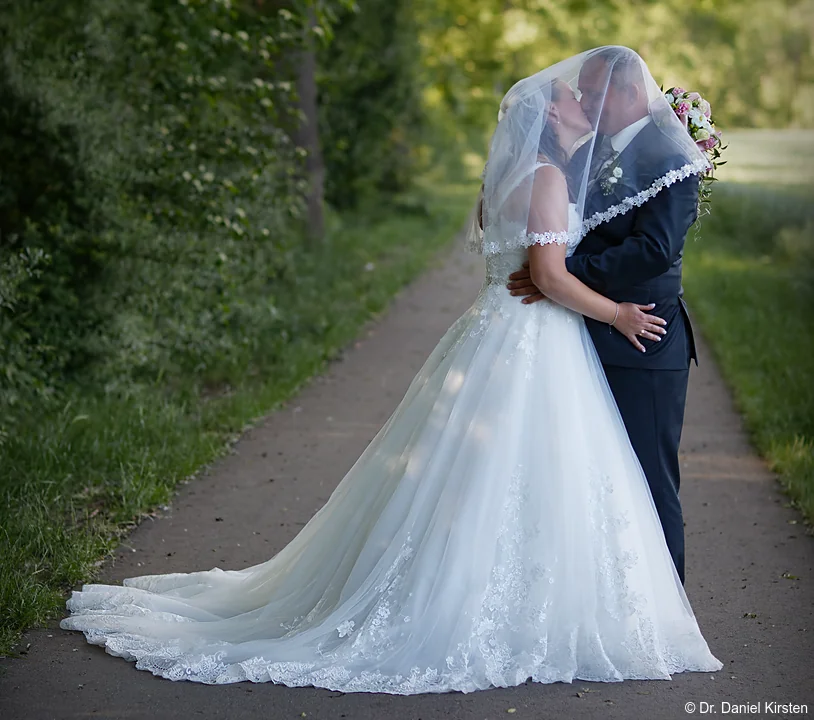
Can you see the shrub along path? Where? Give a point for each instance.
(750, 567)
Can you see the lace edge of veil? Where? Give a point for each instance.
(527, 239)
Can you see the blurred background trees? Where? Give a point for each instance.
(753, 60)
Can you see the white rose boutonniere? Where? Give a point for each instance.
(610, 176)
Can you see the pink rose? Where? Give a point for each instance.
(678, 92)
(693, 96)
(711, 143)
(683, 108)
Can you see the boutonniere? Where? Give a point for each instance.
(610, 176)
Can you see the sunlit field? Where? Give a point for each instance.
(775, 157)
(750, 282)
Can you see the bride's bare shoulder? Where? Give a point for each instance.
(548, 174)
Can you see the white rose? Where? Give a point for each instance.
(670, 98)
(612, 180)
(617, 172)
(701, 135)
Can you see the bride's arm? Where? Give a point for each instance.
(549, 214)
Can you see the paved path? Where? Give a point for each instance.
(741, 539)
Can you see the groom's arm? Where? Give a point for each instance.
(652, 247)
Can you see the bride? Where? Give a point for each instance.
(499, 527)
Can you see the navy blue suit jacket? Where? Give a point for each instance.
(636, 256)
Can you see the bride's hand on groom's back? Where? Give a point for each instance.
(520, 285)
(633, 321)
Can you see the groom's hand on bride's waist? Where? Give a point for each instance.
(520, 285)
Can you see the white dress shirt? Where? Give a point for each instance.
(624, 137)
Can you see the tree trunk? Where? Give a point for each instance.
(307, 135)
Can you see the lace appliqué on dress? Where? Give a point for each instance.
(522, 239)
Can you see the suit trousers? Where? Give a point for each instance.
(652, 403)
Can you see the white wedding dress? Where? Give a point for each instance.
(498, 528)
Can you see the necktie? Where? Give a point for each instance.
(604, 155)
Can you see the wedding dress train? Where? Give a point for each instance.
(499, 527)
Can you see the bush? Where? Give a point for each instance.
(150, 193)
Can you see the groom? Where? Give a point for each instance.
(636, 257)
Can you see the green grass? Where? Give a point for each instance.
(749, 277)
(74, 480)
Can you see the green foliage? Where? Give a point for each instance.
(370, 103)
(148, 166)
(750, 279)
(24, 379)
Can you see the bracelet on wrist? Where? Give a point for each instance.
(615, 317)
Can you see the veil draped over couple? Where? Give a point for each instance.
(517, 517)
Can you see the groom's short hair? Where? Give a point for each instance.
(625, 65)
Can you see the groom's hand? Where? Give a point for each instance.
(521, 284)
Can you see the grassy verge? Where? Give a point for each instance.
(750, 280)
(76, 478)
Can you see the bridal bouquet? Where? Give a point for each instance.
(696, 114)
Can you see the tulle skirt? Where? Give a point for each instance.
(498, 528)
